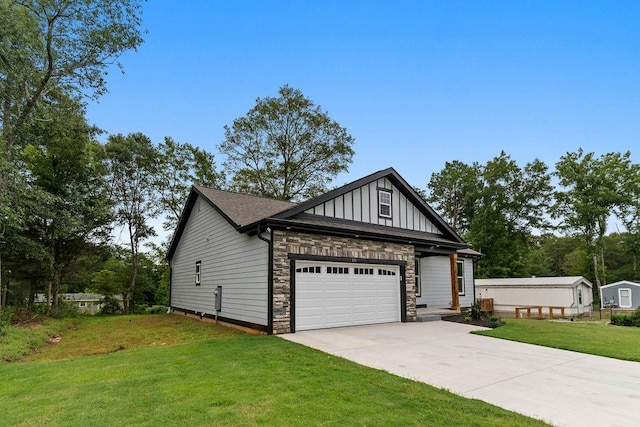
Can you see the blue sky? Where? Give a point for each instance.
(416, 83)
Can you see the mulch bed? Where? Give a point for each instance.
(460, 318)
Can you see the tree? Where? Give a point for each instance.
(511, 203)
(628, 212)
(60, 45)
(132, 164)
(591, 190)
(286, 148)
(63, 161)
(182, 166)
(453, 193)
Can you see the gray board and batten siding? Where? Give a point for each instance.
(361, 204)
(235, 261)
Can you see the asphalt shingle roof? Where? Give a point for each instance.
(243, 209)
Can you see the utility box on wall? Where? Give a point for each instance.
(218, 294)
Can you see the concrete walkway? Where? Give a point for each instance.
(560, 387)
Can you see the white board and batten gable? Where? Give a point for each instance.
(363, 204)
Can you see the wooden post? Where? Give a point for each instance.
(455, 299)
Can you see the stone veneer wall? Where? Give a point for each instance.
(288, 242)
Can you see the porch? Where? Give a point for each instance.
(428, 314)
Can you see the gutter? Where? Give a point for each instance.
(269, 277)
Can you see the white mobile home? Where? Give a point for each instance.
(573, 294)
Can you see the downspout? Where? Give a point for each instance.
(269, 277)
(170, 280)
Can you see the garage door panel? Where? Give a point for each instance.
(325, 300)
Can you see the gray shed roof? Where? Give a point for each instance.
(620, 283)
(569, 281)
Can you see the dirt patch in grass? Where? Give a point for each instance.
(102, 335)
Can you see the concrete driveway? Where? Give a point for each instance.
(560, 387)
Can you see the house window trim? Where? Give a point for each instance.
(620, 298)
(381, 204)
(461, 276)
(198, 275)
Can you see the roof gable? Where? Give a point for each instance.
(236, 208)
(417, 214)
(244, 212)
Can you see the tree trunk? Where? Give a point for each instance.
(596, 288)
(49, 297)
(602, 266)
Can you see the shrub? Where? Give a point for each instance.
(621, 320)
(65, 309)
(155, 309)
(495, 322)
(110, 306)
(5, 320)
(474, 310)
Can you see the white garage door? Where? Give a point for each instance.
(329, 295)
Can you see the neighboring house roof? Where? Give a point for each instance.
(620, 283)
(249, 213)
(568, 281)
(77, 296)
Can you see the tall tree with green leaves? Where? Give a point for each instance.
(59, 45)
(132, 174)
(63, 161)
(628, 211)
(182, 166)
(453, 192)
(511, 202)
(591, 189)
(286, 148)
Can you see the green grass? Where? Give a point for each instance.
(232, 379)
(18, 342)
(592, 337)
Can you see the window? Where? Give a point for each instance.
(313, 269)
(384, 203)
(625, 297)
(337, 270)
(367, 271)
(83, 304)
(460, 277)
(418, 283)
(383, 272)
(580, 296)
(198, 272)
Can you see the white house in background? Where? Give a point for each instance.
(86, 303)
(573, 293)
(371, 251)
(623, 294)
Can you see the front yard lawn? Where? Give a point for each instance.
(592, 337)
(233, 379)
